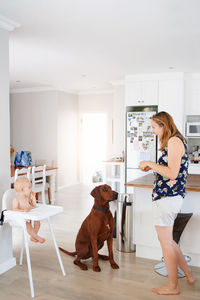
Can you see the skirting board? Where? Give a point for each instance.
(148, 252)
(7, 265)
(195, 259)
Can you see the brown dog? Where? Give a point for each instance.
(95, 229)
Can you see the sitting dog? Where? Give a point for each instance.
(95, 229)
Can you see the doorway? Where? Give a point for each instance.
(93, 145)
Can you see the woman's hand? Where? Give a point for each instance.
(144, 166)
(146, 169)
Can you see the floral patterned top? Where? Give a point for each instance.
(164, 187)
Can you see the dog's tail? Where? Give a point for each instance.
(67, 252)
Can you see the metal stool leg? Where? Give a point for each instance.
(161, 269)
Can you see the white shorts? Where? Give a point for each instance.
(166, 209)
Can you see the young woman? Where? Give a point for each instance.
(168, 193)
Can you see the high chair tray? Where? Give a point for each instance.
(40, 212)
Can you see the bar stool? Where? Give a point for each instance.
(179, 225)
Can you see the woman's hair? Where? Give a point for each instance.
(163, 119)
(20, 183)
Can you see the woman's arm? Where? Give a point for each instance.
(175, 152)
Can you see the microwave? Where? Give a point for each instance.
(193, 129)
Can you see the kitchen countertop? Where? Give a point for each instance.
(193, 182)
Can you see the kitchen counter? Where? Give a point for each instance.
(193, 182)
(145, 237)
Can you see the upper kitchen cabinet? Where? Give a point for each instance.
(170, 93)
(192, 94)
(139, 93)
(163, 89)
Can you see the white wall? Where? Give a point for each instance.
(4, 113)
(119, 120)
(99, 103)
(48, 124)
(67, 139)
(112, 104)
(34, 124)
(45, 123)
(6, 259)
(94, 104)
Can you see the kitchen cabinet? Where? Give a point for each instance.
(170, 94)
(141, 93)
(192, 96)
(147, 244)
(194, 168)
(177, 93)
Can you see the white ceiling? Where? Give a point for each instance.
(80, 45)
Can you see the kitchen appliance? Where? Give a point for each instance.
(125, 223)
(193, 129)
(141, 143)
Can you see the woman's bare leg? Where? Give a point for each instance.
(183, 264)
(171, 261)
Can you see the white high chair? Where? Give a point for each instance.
(16, 218)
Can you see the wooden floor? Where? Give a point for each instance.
(134, 279)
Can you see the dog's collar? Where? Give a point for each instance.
(101, 209)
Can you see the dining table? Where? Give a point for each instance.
(50, 178)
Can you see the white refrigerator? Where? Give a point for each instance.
(141, 143)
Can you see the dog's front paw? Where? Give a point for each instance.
(114, 265)
(97, 269)
(84, 267)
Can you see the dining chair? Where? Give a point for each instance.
(25, 172)
(19, 219)
(39, 184)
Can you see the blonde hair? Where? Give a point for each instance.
(20, 183)
(163, 119)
